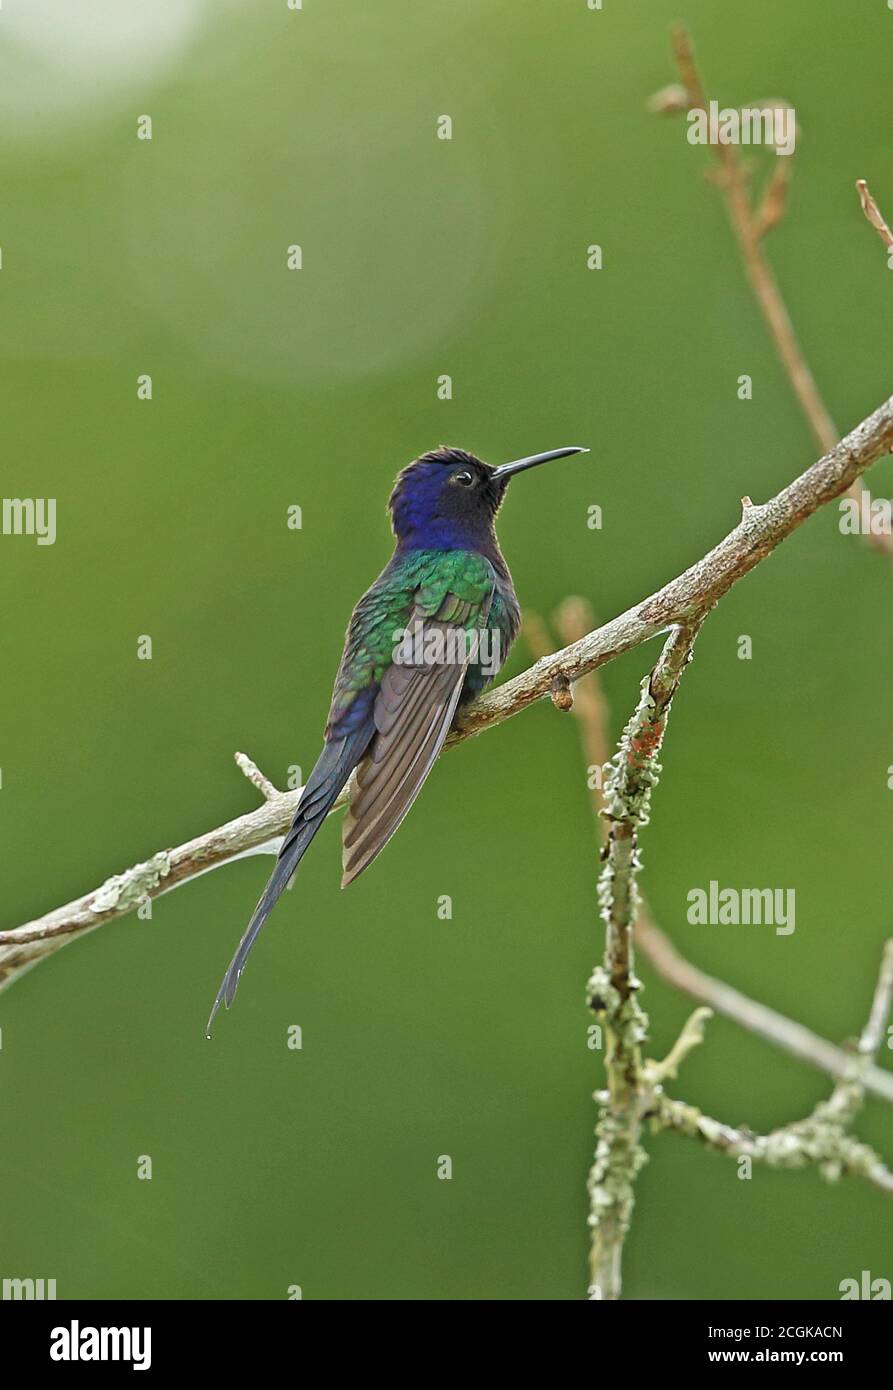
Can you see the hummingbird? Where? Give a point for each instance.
(428, 636)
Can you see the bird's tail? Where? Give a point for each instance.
(333, 767)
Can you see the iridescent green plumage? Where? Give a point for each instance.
(455, 586)
(433, 630)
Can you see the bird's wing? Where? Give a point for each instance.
(375, 703)
(413, 711)
(368, 649)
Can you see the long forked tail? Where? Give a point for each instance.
(333, 767)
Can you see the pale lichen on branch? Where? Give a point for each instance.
(613, 989)
(821, 1139)
(635, 1090)
(572, 621)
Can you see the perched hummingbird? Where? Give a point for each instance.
(430, 633)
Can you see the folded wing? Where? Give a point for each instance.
(413, 713)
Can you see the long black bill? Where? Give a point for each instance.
(508, 470)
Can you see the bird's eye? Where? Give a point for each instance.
(465, 478)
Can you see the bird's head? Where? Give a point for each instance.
(448, 499)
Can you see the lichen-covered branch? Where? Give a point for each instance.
(572, 621)
(635, 1091)
(822, 1139)
(613, 987)
(258, 832)
(757, 1017)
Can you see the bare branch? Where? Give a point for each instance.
(873, 1034)
(772, 208)
(749, 228)
(874, 214)
(693, 593)
(682, 601)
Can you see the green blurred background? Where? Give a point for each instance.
(274, 1167)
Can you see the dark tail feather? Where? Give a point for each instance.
(334, 766)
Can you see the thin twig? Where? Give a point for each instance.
(692, 1035)
(256, 777)
(873, 1034)
(749, 228)
(874, 214)
(772, 208)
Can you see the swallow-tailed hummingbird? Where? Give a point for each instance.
(430, 634)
